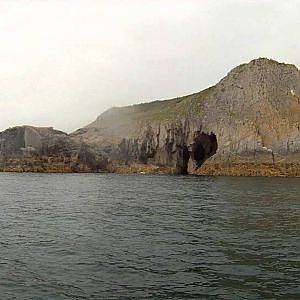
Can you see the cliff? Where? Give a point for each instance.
(251, 116)
(247, 124)
(43, 149)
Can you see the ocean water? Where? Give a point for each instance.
(101, 236)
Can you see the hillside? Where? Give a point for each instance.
(254, 112)
(247, 124)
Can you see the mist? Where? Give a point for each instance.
(62, 63)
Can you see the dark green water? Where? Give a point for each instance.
(148, 237)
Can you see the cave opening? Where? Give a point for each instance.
(203, 147)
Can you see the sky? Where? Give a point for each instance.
(64, 62)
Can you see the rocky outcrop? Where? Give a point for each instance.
(251, 117)
(28, 148)
(26, 140)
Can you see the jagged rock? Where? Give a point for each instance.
(30, 148)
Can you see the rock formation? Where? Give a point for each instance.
(252, 116)
(28, 148)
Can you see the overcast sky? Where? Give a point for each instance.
(64, 62)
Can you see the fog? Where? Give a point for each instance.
(62, 63)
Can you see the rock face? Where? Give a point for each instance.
(172, 144)
(252, 116)
(26, 140)
(28, 148)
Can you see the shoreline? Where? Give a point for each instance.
(242, 169)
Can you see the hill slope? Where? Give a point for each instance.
(254, 112)
(246, 124)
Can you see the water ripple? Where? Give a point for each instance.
(88, 236)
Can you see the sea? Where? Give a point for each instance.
(109, 236)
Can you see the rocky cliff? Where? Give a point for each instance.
(250, 119)
(252, 115)
(28, 148)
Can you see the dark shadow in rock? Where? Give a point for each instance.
(204, 146)
(182, 160)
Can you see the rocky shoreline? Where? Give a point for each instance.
(221, 169)
(209, 169)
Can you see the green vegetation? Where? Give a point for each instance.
(165, 110)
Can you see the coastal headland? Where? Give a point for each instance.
(248, 124)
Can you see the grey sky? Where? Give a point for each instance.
(62, 63)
